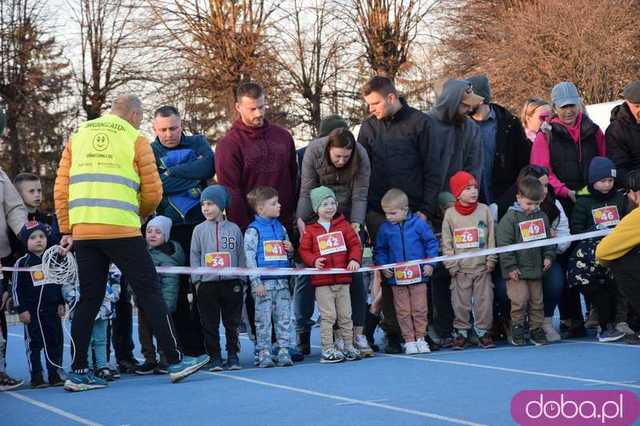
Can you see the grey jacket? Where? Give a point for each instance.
(210, 237)
(351, 192)
(452, 147)
(14, 213)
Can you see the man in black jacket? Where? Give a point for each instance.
(623, 134)
(504, 143)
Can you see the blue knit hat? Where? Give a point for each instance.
(31, 227)
(217, 194)
(601, 168)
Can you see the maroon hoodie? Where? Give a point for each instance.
(248, 157)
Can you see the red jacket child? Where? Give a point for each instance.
(339, 246)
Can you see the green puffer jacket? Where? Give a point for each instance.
(529, 261)
(169, 254)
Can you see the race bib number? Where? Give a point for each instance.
(333, 242)
(466, 238)
(37, 276)
(217, 259)
(606, 216)
(274, 250)
(408, 274)
(532, 230)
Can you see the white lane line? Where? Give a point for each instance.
(351, 400)
(343, 404)
(516, 370)
(53, 409)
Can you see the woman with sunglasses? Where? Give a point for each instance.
(570, 145)
(553, 281)
(535, 116)
(340, 163)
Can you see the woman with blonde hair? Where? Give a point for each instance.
(535, 116)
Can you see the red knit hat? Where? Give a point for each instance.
(460, 181)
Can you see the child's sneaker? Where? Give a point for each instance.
(593, 320)
(295, 354)
(537, 337)
(233, 363)
(423, 346)
(517, 335)
(215, 365)
(115, 373)
(256, 357)
(351, 354)
(186, 367)
(410, 348)
(8, 383)
(486, 342)
(284, 359)
(55, 379)
(37, 382)
(331, 356)
(549, 332)
(162, 368)
(459, 342)
(146, 368)
(433, 345)
(610, 334)
(103, 373)
(361, 344)
(264, 359)
(78, 382)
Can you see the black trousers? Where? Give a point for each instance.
(626, 271)
(441, 310)
(121, 327)
(130, 255)
(604, 294)
(50, 327)
(216, 300)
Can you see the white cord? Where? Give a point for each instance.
(58, 270)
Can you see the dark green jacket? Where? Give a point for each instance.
(169, 254)
(582, 219)
(529, 261)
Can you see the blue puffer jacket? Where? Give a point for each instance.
(410, 240)
(268, 230)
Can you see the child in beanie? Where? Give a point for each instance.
(331, 242)
(40, 306)
(164, 252)
(599, 205)
(469, 227)
(217, 243)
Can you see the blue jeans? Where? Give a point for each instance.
(98, 344)
(552, 286)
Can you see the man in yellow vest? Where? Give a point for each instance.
(107, 182)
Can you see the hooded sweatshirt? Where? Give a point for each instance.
(452, 146)
(623, 141)
(247, 157)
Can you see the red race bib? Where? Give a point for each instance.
(408, 274)
(274, 250)
(217, 259)
(606, 216)
(465, 238)
(333, 242)
(532, 230)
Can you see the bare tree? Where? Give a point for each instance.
(387, 29)
(109, 54)
(526, 47)
(312, 56)
(34, 80)
(217, 44)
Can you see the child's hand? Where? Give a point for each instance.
(490, 267)
(288, 246)
(387, 273)
(546, 264)
(61, 311)
(427, 270)
(353, 266)
(514, 275)
(260, 290)
(25, 317)
(319, 263)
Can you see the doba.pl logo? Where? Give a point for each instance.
(569, 408)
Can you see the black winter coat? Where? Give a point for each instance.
(623, 142)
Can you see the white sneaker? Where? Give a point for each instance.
(423, 347)
(339, 344)
(362, 346)
(410, 348)
(550, 333)
(623, 327)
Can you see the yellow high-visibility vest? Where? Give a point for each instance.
(103, 183)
